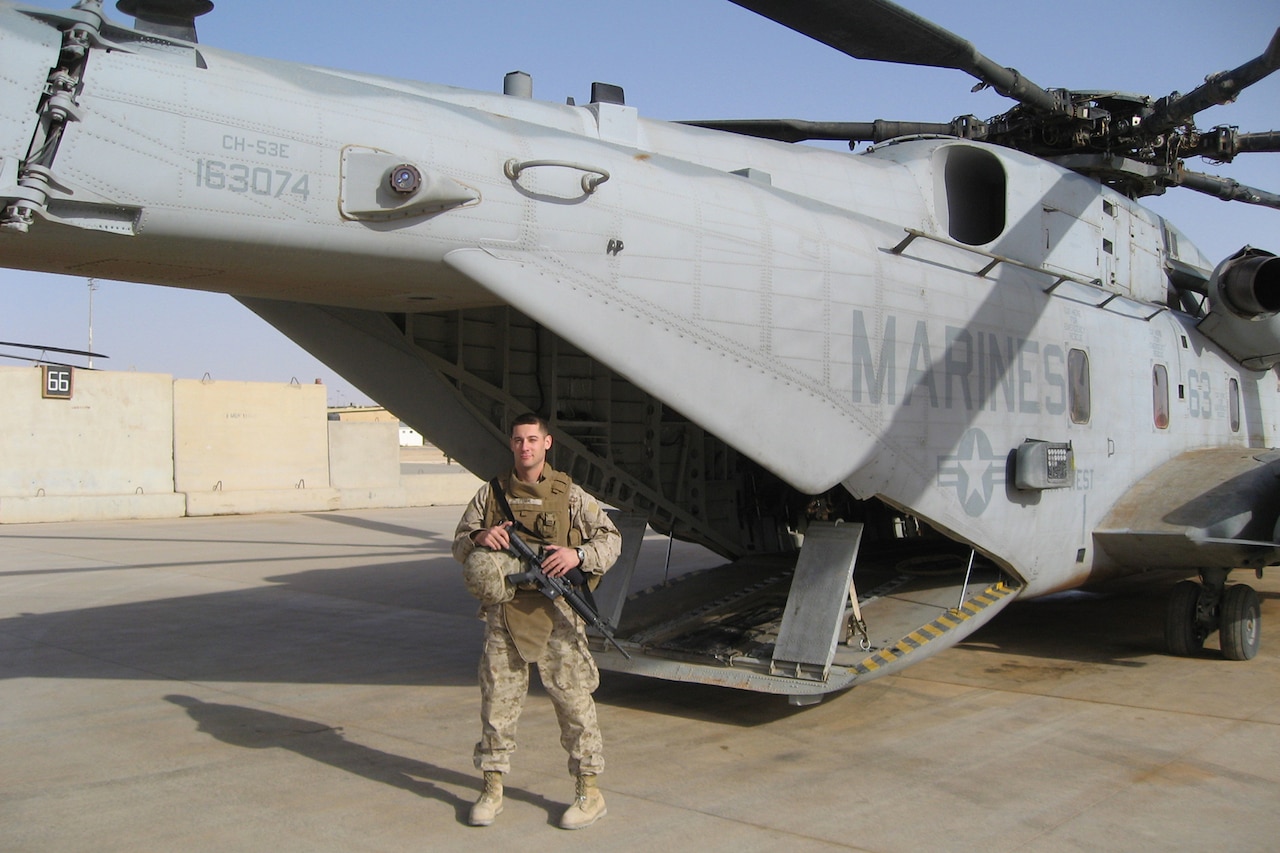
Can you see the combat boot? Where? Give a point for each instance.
(588, 805)
(489, 806)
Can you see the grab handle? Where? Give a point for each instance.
(593, 178)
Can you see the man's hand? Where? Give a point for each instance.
(558, 562)
(495, 538)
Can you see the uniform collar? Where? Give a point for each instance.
(547, 471)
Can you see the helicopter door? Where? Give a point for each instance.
(1131, 254)
(1114, 248)
(1148, 279)
(1071, 244)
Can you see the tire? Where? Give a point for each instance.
(1183, 634)
(1241, 630)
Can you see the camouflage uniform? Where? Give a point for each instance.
(565, 665)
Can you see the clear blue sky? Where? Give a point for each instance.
(676, 59)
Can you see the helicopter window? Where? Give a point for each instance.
(1078, 372)
(1160, 395)
(1234, 400)
(975, 183)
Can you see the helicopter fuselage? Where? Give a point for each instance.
(964, 333)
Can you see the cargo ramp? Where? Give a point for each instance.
(786, 624)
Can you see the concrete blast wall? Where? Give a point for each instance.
(131, 445)
(251, 447)
(106, 452)
(237, 436)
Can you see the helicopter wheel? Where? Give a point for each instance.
(1240, 631)
(1184, 631)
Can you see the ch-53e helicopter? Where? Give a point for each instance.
(897, 390)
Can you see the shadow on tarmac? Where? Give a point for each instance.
(1116, 629)
(411, 623)
(386, 623)
(1116, 625)
(437, 539)
(251, 728)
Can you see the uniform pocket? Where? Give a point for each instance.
(547, 526)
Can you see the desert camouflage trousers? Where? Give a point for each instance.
(569, 675)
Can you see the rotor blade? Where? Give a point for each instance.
(1252, 142)
(1224, 143)
(1225, 188)
(53, 349)
(884, 31)
(798, 130)
(1220, 88)
(31, 360)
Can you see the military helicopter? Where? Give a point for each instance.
(895, 389)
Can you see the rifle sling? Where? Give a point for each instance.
(500, 496)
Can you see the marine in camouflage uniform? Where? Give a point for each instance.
(532, 629)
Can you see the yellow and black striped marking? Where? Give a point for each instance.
(931, 631)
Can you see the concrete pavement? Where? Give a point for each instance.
(306, 682)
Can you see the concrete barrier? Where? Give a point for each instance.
(251, 447)
(131, 445)
(249, 436)
(47, 508)
(441, 489)
(253, 501)
(106, 450)
(364, 455)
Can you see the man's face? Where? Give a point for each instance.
(529, 446)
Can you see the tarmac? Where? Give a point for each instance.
(307, 683)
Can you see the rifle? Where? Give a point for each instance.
(554, 588)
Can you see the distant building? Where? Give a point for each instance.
(410, 437)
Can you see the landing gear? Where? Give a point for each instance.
(1241, 625)
(1185, 629)
(1196, 609)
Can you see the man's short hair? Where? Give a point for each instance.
(530, 419)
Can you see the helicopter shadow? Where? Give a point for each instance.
(405, 622)
(1117, 624)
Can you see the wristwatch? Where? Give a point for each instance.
(582, 556)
